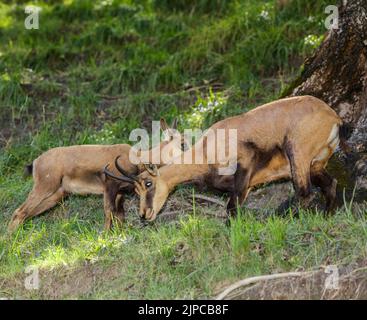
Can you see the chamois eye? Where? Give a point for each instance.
(148, 184)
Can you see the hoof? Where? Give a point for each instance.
(13, 225)
(331, 201)
(306, 202)
(284, 207)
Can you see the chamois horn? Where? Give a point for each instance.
(111, 175)
(123, 172)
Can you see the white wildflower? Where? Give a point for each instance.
(265, 15)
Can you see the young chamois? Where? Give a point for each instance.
(80, 170)
(289, 138)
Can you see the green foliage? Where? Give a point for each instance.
(143, 51)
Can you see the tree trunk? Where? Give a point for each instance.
(337, 74)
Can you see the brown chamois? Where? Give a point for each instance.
(290, 138)
(79, 169)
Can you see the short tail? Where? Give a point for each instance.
(28, 170)
(345, 131)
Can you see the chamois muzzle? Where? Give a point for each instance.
(148, 215)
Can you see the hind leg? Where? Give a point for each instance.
(327, 184)
(300, 170)
(37, 202)
(320, 178)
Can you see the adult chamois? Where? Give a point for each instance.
(79, 169)
(288, 138)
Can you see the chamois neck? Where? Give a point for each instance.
(175, 174)
(180, 172)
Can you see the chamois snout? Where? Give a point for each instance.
(143, 221)
(148, 215)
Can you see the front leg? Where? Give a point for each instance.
(119, 215)
(240, 192)
(109, 202)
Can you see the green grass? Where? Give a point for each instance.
(187, 258)
(97, 69)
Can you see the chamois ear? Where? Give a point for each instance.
(152, 169)
(164, 124)
(174, 124)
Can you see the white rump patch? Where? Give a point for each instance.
(333, 140)
(332, 143)
(322, 155)
(333, 134)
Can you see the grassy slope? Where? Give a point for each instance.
(97, 69)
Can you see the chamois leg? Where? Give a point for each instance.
(120, 212)
(109, 201)
(37, 202)
(241, 190)
(300, 170)
(327, 184)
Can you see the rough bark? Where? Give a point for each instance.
(337, 74)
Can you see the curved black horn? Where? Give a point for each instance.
(123, 172)
(111, 175)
